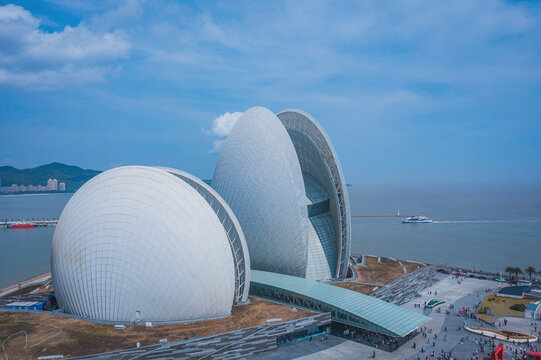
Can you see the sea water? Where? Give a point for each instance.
(25, 253)
(485, 228)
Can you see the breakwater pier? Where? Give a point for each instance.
(4, 223)
(37, 223)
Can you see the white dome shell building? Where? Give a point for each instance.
(135, 243)
(259, 176)
(281, 176)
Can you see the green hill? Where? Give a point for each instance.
(73, 176)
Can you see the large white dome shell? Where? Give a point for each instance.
(259, 176)
(137, 242)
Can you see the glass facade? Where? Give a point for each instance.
(319, 161)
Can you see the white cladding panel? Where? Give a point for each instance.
(137, 242)
(259, 176)
(237, 241)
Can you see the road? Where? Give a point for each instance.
(36, 279)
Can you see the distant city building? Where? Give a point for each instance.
(52, 185)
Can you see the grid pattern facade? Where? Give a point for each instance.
(318, 158)
(346, 306)
(270, 166)
(232, 228)
(322, 250)
(135, 243)
(259, 176)
(315, 193)
(238, 344)
(322, 245)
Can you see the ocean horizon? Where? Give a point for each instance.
(483, 228)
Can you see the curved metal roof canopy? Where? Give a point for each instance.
(346, 306)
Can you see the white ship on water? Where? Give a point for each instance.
(417, 220)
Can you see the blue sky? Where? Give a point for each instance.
(424, 92)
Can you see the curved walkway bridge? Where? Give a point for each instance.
(346, 306)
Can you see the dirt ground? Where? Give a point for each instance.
(380, 273)
(383, 272)
(33, 289)
(45, 288)
(55, 335)
(350, 285)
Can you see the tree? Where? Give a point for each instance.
(509, 270)
(518, 271)
(530, 270)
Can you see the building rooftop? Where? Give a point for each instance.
(533, 306)
(387, 317)
(24, 303)
(516, 290)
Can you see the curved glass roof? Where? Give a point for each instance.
(314, 191)
(379, 315)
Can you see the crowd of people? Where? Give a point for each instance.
(376, 340)
(427, 341)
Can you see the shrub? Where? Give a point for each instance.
(483, 309)
(518, 307)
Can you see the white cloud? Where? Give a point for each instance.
(30, 56)
(223, 124)
(221, 127)
(217, 146)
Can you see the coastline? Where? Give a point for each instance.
(6, 290)
(485, 275)
(34, 194)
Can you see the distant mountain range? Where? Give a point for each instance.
(73, 176)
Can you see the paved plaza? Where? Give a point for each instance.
(462, 344)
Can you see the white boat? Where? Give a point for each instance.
(417, 220)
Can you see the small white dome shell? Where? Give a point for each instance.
(259, 176)
(137, 242)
